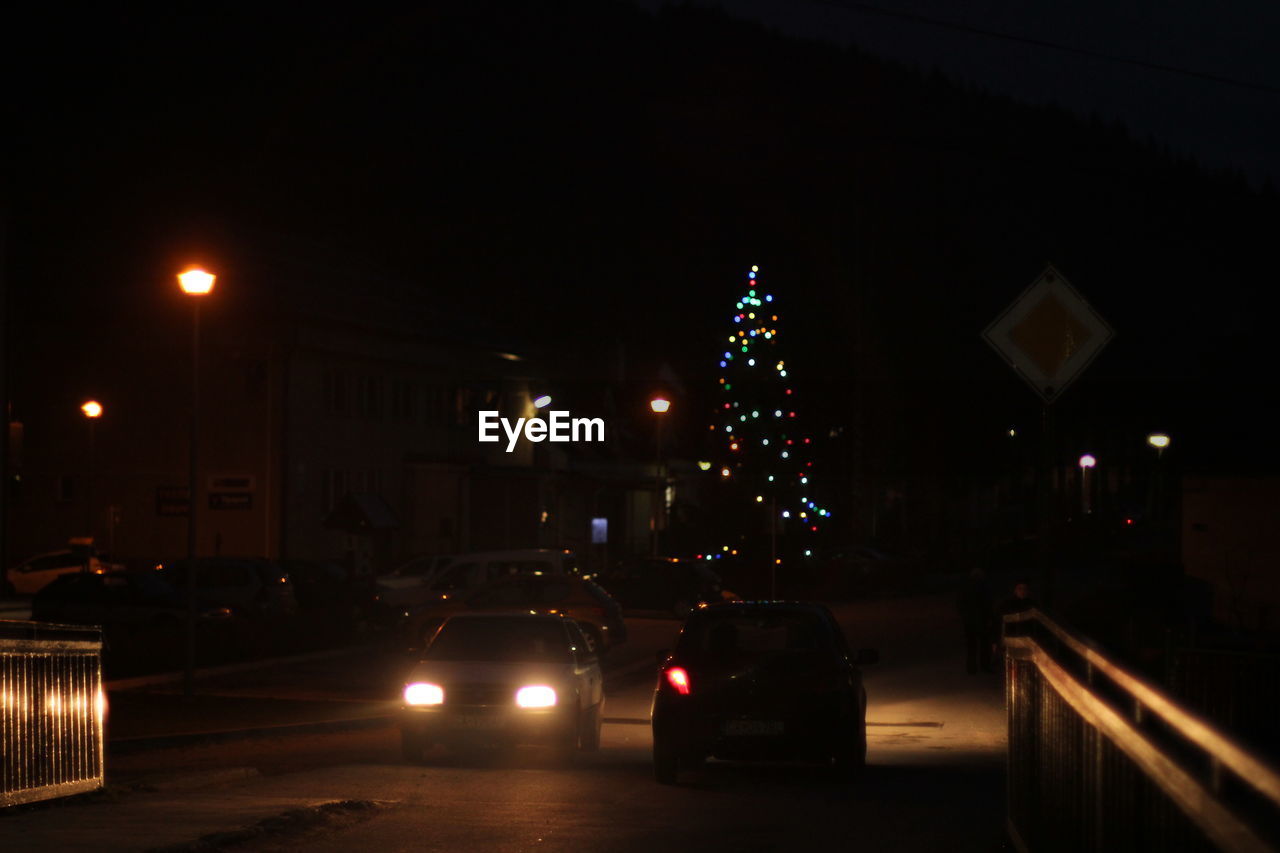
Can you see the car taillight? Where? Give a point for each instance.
(678, 679)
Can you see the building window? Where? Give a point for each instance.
(462, 406)
(437, 408)
(369, 397)
(334, 485)
(335, 392)
(402, 400)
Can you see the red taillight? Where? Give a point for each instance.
(679, 679)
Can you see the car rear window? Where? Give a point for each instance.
(505, 640)
(752, 634)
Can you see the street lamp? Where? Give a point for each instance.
(1159, 441)
(92, 410)
(660, 407)
(1087, 462)
(197, 284)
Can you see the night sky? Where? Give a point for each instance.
(593, 173)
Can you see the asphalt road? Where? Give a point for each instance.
(935, 779)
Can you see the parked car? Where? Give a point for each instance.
(864, 570)
(465, 572)
(668, 584)
(596, 612)
(142, 615)
(406, 587)
(760, 681)
(255, 588)
(33, 573)
(503, 679)
(326, 591)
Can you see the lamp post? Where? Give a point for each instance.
(1087, 463)
(197, 284)
(660, 407)
(1159, 441)
(92, 410)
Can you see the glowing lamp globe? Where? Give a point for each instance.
(196, 282)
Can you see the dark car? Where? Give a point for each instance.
(771, 680)
(140, 613)
(503, 679)
(667, 585)
(596, 612)
(253, 587)
(859, 570)
(326, 592)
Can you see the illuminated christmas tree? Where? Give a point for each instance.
(765, 453)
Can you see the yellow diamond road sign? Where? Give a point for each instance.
(1049, 334)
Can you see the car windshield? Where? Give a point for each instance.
(739, 635)
(502, 640)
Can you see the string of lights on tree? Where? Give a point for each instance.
(764, 450)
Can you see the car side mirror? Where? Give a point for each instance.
(866, 656)
(662, 655)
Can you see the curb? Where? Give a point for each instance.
(124, 746)
(229, 669)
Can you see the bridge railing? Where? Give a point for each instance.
(1099, 760)
(51, 711)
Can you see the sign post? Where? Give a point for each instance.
(1048, 335)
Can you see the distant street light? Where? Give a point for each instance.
(660, 407)
(92, 410)
(196, 283)
(1087, 462)
(542, 402)
(1159, 441)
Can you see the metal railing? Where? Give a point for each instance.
(1100, 761)
(51, 711)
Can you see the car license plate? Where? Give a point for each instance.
(752, 728)
(478, 721)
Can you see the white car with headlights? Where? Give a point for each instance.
(504, 678)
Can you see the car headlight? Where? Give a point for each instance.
(536, 696)
(422, 693)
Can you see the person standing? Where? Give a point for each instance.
(974, 605)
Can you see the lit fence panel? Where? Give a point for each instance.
(51, 711)
(1100, 760)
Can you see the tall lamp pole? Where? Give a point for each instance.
(197, 284)
(1159, 441)
(660, 407)
(92, 410)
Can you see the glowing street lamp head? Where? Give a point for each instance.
(1158, 440)
(1087, 461)
(92, 409)
(542, 402)
(660, 405)
(196, 282)
(704, 466)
